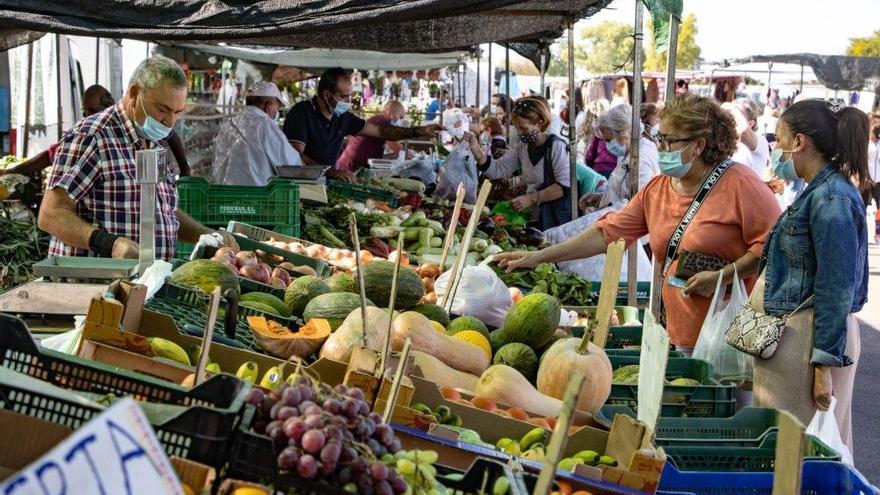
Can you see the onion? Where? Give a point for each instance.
(296, 247)
(316, 251)
(253, 272)
(226, 250)
(429, 284)
(286, 265)
(281, 273)
(266, 269)
(277, 283)
(366, 256)
(226, 261)
(243, 258)
(429, 270)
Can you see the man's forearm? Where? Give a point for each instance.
(393, 133)
(32, 166)
(63, 223)
(190, 229)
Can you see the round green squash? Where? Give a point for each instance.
(205, 275)
(301, 291)
(333, 307)
(519, 357)
(377, 285)
(433, 312)
(467, 323)
(532, 321)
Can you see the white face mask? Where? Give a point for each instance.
(655, 129)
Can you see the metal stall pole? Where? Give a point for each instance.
(541, 71)
(671, 55)
(507, 89)
(632, 258)
(58, 84)
(490, 83)
(769, 78)
(27, 98)
(572, 135)
(464, 85)
(97, 60)
(802, 77)
(477, 93)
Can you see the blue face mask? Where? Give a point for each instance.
(671, 165)
(783, 170)
(340, 107)
(152, 129)
(615, 148)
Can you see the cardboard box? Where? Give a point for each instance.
(114, 356)
(196, 476)
(25, 439)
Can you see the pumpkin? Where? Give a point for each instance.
(476, 338)
(279, 341)
(453, 352)
(573, 354)
(434, 370)
(504, 384)
(341, 343)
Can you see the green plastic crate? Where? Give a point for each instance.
(202, 432)
(711, 399)
(643, 293)
(747, 427)
(252, 238)
(622, 337)
(277, 203)
(360, 192)
(723, 457)
(183, 250)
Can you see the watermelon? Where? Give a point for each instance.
(301, 291)
(377, 285)
(434, 313)
(270, 300)
(333, 307)
(205, 275)
(519, 357)
(467, 323)
(342, 282)
(531, 321)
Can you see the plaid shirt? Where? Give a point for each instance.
(95, 164)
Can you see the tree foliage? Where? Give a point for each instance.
(687, 54)
(867, 46)
(599, 48)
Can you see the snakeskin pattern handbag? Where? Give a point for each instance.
(758, 334)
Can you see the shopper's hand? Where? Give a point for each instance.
(343, 175)
(822, 388)
(125, 248)
(474, 145)
(701, 284)
(589, 200)
(518, 259)
(429, 131)
(228, 239)
(520, 203)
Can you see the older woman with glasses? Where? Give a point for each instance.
(734, 213)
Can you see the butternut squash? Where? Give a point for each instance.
(506, 385)
(574, 354)
(434, 370)
(350, 335)
(460, 355)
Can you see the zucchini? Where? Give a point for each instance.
(386, 232)
(436, 242)
(429, 250)
(408, 185)
(414, 219)
(425, 236)
(472, 259)
(436, 226)
(414, 247)
(412, 233)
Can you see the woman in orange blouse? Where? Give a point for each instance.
(696, 136)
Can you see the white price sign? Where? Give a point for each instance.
(652, 370)
(114, 453)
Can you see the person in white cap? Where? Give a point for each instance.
(250, 144)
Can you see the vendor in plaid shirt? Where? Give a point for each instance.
(92, 202)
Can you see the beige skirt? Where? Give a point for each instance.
(785, 381)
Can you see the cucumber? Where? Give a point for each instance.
(436, 226)
(436, 242)
(429, 250)
(384, 232)
(425, 236)
(412, 233)
(414, 219)
(414, 247)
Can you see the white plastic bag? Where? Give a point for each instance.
(824, 427)
(480, 294)
(67, 342)
(154, 277)
(459, 167)
(728, 363)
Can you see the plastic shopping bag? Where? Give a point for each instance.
(67, 342)
(460, 167)
(480, 294)
(729, 364)
(824, 427)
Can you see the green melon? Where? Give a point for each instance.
(495, 340)
(531, 321)
(433, 312)
(377, 285)
(205, 275)
(519, 357)
(467, 323)
(263, 308)
(301, 291)
(342, 282)
(270, 300)
(333, 307)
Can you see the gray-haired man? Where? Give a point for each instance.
(92, 196)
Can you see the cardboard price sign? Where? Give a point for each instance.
(115, 453)
(652, 370)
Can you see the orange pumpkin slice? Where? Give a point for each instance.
(279, 341)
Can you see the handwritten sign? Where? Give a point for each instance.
(115, 453)
(652, 370)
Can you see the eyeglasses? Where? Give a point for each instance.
(666, 142)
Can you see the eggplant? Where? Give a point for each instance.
(487, 226)
(529, 236)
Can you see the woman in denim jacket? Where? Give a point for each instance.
(817, 249)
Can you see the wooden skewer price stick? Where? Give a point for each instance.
(560, 434)
(355, 239)
(208, 335)
(465, 245)
(789, 455)
(607, 293)
(395, 385)
(386, 347)
(453, 224)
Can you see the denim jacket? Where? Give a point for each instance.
(819, 247)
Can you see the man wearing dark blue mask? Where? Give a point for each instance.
(91, 205)
(317, 127)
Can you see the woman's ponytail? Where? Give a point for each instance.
(851, 146)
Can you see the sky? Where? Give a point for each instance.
(739, 28)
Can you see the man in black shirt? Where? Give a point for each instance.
(317, 127)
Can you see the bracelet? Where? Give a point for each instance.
(101, 242)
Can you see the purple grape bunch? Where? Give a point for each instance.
(325, 432)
